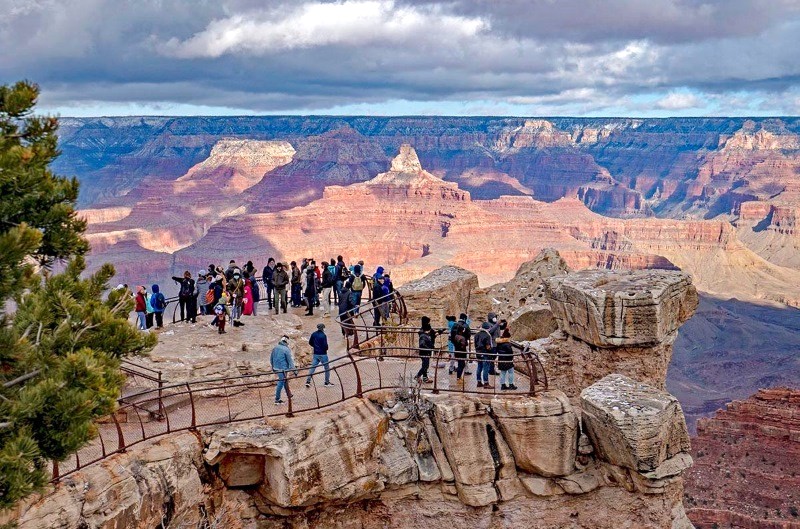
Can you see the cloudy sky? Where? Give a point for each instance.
(463, 57)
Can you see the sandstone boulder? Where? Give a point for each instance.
(636, 426)
(476, 450)
(542, 432)
(622, 308)
(445, 291)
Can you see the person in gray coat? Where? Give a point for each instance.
(282, 362)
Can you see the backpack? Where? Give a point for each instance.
(219, 310)
(210, 296)
(358, 283)
(459, 340)
(158, 302)
(425, 341)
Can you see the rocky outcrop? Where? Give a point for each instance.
(601, 332)
(622, 308)
(445, 291)
(747, 464)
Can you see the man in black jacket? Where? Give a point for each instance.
(319, 344)
(266, 275)
(187, 297)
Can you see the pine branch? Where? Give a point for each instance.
(22, 378)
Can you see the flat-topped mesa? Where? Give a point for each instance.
(622, 308)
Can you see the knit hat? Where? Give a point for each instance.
(320, 326)
(463, 317)
(426, 320)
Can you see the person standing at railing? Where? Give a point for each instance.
(319, 344)
(247, 300)
(505, 360)
(267, 276)
(460, 335)
(484, 349)
(282, 362)
(280, 280)
(379, 300)
(141, 308)
(427, 339)
(356, 284)
(186, 296)
(339, 277)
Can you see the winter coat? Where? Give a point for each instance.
(141, 303)
(157, 295)
(460, 328)
(505, 355)
(200, 288)
(281, 358)
(427, 337)
(345, 303)
(319, 342)
(296, 275)
(378, 272)
(255, 290)
(236, 290)
(187, 286)
(483, 339)
(327, 278)
(280, 279)
(311, 284)
(267, 274)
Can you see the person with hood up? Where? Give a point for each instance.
(280, 280)
(141, 308)
(310, 290)
(505, 360)
(379, 301)
(378, 272)
(319, 345)
(267, 276)
(281, 361)
(356, 284)
(484, 349)
(222, 313)
(159, 304)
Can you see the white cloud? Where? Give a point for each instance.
(680, 101)
(347, 23)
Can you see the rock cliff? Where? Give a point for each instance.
(747, 464)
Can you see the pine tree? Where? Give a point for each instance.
(60, 340)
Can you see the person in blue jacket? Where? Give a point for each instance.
(159, 303)
(282, 362)
(319, 343)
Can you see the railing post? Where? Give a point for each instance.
(436, 372)
(191, 403)
(359, 390)
(121, 445)
(55, 470)
(289, 412)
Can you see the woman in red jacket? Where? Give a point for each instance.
(141, 308)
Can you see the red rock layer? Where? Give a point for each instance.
(747, 464)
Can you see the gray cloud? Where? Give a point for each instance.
(536, 55)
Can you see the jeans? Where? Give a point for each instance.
(376, 319)
(326, 299)
(507, 377)
(255, 308)
(296, 295)
(280, 299)
(270, 292)
(423, 371)
(355, 297)
(141, 320)
(484, 366)
(236, 310)
(315, 361)
(337, 287)
(282, 383)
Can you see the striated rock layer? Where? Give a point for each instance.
(747, 464)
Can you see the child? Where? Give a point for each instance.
(221, 310)
(505, 361)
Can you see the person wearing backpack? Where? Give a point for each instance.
(186, 296)
(222, 313)
(356, 284)
(159, 304)
(427, 339)
(505, 360)
(460, 335)
(280, 280)
(484, 349)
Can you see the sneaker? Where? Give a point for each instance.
(467, 372)
(503, 387)
(479, 384)
(308, 384)
(278, 402)
(486, 385)
(241, 324)
(426, 380)
(451, 371)
(236, 323)
(512, 387)
(329, 384)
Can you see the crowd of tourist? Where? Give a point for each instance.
(231, 293)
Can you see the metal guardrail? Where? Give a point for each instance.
(373, 362)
